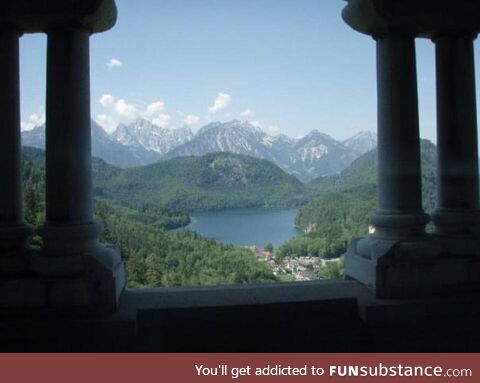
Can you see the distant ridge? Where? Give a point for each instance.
(143, 143)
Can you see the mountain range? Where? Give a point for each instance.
(142, 143)
(104, 146)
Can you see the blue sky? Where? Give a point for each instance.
(290, 66)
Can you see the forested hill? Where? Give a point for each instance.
(341, 212)
(186, 184)
(357, 185)
(211, 182)
(153, 256)
(363, 171)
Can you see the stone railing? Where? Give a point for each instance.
(399, 260)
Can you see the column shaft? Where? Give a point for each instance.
(69, 227)
(87, 273)
(399, 173)
(458, 190)
(14, 232)
(68, 146)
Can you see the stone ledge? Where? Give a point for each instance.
(212, 296)
(294, 326)
(23, 292)
(14, 264)
(320, 316)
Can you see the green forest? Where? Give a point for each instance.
(139, 207)
(340, 212)
(212, 182)
(154, 256)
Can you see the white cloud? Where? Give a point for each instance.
(162, 120)
(221, 102)
(120, 107)
(155, 108)
(34, 120)
(114, 63)
(126, 110)
(191, 120)
(155, 112)
(120, 111)
(107, 122)
(107, 101)
(247, 113)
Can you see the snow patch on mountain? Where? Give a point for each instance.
(143, 133)
(143, 142)
(362, 142)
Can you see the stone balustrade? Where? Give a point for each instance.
(400, 260)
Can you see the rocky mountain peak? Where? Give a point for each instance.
(143, 133)
(143, 142)
(362, 142)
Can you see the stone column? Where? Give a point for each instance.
(457, 199)
(14, 233)
(399, 260)
(399, 214)
(87, 274)
(69, 228)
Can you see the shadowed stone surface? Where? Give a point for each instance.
(457, 211)
(400, 260)
(413, 17)
(62, 298)
(71, 270)
(31, 16)
(14, 232)
(320, 316)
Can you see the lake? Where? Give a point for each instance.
(242, 227)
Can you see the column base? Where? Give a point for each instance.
(77, 270)
(95, 293)
(14, 246)
(14, 237)
(390, 224)
(399, 269)
(456, 223)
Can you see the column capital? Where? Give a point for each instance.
(40, 16)
(422, 18)
(453, 35)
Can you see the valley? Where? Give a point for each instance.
(139, 207)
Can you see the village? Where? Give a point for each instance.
(291, 268)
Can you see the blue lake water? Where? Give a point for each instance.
(243, 227)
